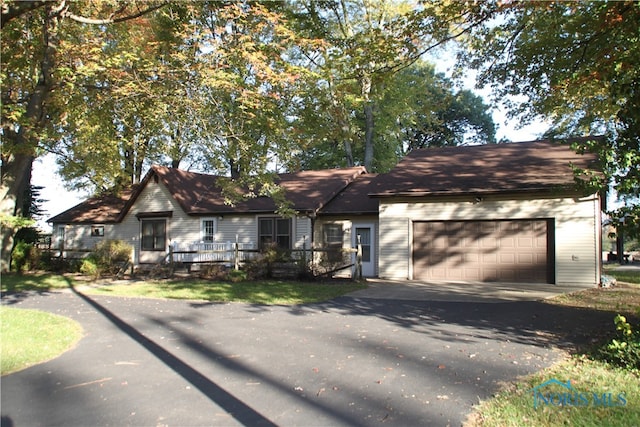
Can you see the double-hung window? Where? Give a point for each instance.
(274, 230)
(208, 230)
(154, 234)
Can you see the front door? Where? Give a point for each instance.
(366, 234)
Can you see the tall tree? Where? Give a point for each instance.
(34, 35)
(368, 43)
(578, 65)
(418, 108)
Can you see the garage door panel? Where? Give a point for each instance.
(504, 250)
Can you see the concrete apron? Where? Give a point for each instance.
(461, 291)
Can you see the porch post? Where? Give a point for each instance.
(359, 259)
(235, 254)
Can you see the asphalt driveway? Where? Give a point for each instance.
(352, 361)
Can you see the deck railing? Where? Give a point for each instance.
(212, 252)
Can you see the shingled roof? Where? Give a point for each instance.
(105, 209)
(307, 191)
(483, 169)
(354, 200)
(201, 194)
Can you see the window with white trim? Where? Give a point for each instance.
(333, 236)
(208, 228)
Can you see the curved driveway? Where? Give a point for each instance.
(355, 360)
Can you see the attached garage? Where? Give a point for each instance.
(493, 213)
(488, 251)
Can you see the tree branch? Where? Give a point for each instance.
(93, 21)
(16, 9)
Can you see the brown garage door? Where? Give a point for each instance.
(488, 251)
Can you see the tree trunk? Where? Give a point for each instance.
(365, 82)
(17, 165)
(368, 136)
(348, 152)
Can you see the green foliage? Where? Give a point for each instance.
(362, 102)
(577, 65)
(236, 276)
(89, 267)
(108, 258)
(25, 256)
(624, 350)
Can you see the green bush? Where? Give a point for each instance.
(109, 258)
(25, 256)
(90, 267)
(624, 350)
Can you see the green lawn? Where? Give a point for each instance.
(32, 336)
(514, 405)
(252, 292)
(255, 292)
(41, 282)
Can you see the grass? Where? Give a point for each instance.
(269, 292)
(514, 404)
(626, 276)
(40, 282)
(252, 292)
(31, 336)
(624, 298)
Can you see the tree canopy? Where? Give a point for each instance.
(111, 87)
(576, 64)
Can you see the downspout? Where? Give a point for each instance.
(312, 217)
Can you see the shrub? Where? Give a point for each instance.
(213, 272)
(25, 256)
(109, 258)
(236, 276)
(624, 350)
(90, 267)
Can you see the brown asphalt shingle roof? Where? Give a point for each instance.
(308, 191)
(96, 210)
(200, 194)
(354, 200)
(482, 169)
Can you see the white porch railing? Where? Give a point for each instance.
(201, 252)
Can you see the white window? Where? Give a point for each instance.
(333, 236)
(97, 230)
(208, 228)
(60, 236)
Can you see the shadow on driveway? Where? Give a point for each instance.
(349, 361)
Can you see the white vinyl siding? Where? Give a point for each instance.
(302, 227)
(575, 220)
(348, 226)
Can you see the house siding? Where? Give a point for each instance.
(575, 220)
(155, 198)
(183, 229)
(348, 223)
